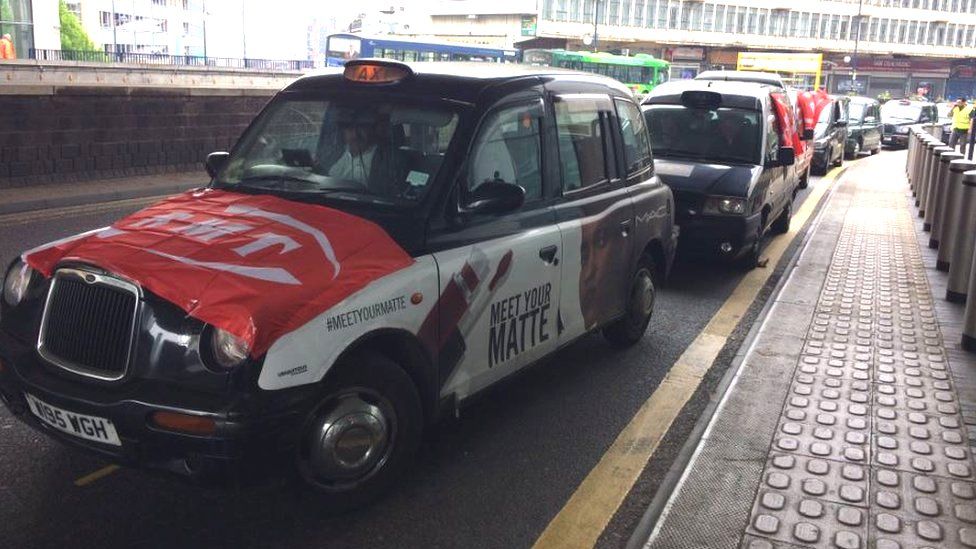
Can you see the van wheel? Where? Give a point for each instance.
(629, 329)
(362, 434)
(782, 223)
(751, 259)
(805, 180)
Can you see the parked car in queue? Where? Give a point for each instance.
(726, 152)
(381, 245)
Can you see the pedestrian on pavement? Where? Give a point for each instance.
(7, 50)
(961, 114)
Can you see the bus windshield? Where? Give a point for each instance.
(710, 135)
(386, 151)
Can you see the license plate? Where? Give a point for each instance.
(87, 427)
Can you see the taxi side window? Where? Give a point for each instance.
(580, 124)
(508, 149)
(637, 145)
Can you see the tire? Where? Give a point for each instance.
(629, 329)
(380, 408)
(840, 160)
(782, 223)
(805, 180)
(751, 258)
(856, 152)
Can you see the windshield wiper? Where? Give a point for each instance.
(279, 179)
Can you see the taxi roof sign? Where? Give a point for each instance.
(376, 71)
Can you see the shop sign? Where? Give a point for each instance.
(687, 54)
(528, 25)
(780, 62)
(894, 64)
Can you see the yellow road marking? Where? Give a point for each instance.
(588, 511)
(97, 475)
(72, 211)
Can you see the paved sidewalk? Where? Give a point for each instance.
(39, 197)
(846, 423)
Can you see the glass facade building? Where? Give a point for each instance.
(16, 19)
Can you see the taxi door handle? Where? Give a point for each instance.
(625, 227)
(548, 255)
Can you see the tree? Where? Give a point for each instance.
(73, 37)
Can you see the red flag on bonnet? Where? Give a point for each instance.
(255, 266)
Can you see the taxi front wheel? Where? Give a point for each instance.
(630, 328)
(363, 433)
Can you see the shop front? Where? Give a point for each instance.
(886, 76)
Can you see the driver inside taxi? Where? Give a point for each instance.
(369, 156)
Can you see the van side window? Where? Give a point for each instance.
(772, 138)
(637, 143)
(508, 148)
(580, 126)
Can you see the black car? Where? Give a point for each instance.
(718, 146)
(830, 136)
(897, 116)
(380, 245)
(863, 127)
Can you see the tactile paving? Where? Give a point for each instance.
(870, 450)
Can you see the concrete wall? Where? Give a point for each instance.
(72, 122)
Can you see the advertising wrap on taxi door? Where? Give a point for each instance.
(256, 266)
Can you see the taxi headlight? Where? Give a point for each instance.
(16, 283)
(901, 129)
(725, 205)
(227, 350)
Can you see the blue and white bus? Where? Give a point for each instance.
(340, 48)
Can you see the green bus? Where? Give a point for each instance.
(640, 72)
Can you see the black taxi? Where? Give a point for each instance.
(724, 150)
(381, 244)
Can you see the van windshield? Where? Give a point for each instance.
(381, 151)
(722, 135)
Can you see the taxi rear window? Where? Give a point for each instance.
(705, 134)
(387, 150)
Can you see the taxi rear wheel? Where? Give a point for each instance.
(362, 434)
(630, 328)
(782, 223)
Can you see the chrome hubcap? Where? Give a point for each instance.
(349, 441)
(643, 298)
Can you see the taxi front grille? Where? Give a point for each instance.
(888, 129)
(88, 324)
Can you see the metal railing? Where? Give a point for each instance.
(170, 60)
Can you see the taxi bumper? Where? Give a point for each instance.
(251, 432)
(718, 236)
(895, 140)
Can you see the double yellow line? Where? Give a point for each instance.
(586, 515)
(20, 218)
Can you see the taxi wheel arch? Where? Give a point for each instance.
(362, 433)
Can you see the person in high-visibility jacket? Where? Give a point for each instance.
(962, 115)
(7, 50)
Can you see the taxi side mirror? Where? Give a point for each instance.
(215, 162)
(840, 124)
(808, 134)
(494, 197)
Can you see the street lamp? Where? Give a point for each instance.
(596, 19)
(857, 39)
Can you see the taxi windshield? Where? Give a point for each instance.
(857, 111)
(384, 151)
(894, 111)
(707, 135)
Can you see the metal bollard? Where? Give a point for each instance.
(961, 261)
(917, 162)
(944, 229)
(969, 320)
(923, 170)
(932, 188)
(911, 149)
(941, 200)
